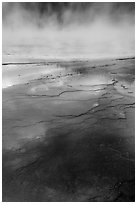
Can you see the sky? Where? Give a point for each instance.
(70, 29)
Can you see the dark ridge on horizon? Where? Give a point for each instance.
(46, 63)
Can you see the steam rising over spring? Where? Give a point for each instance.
(69, 30)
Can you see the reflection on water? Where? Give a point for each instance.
(58, 78)
(20, 74)
(61, 90)
(93, 79)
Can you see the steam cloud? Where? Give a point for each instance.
(71, 29)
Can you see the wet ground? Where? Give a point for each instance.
(68, 130)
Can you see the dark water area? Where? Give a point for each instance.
(68, 131)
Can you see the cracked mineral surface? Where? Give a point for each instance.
(68, 130)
